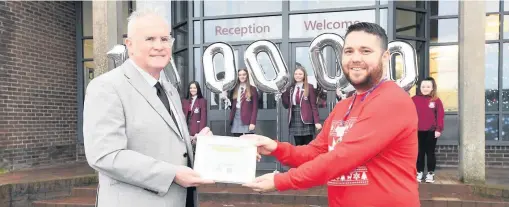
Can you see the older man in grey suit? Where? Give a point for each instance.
(134, 129)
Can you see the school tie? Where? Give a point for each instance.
(297, 96)
(242, 94)
(162, 96)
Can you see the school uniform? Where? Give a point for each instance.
(195, 110)
(302, 113)
(431, 119)
(244, 111)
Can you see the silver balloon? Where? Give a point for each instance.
(410, 69)
(230, 72)
(277, 85)
(319, 64)
(118, 54)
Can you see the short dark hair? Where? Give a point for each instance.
(370, 28)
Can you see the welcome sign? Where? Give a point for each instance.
(312, 25)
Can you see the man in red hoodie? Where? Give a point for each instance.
(367, 149)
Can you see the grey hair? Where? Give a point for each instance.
(135, 15)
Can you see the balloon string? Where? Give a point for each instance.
(278, 127)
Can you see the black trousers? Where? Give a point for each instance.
(303, 140)
(427, 144)
(240, 134)
(190, 198)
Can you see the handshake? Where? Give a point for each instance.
(188, 177)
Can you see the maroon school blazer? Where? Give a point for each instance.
(248, 108)
(198, 114)
(309, 111)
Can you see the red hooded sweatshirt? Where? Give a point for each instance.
(366, 157)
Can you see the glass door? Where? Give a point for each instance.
(266, 124)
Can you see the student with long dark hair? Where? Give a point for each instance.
(244, 108)
(300, 100)
(195, 108)
(430, 111)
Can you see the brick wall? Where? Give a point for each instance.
(496, 156)
(38, 83)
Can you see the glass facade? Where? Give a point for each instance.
(430, 26)
(497, 71)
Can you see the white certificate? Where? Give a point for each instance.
(225, 159)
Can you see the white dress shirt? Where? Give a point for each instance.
(294, 98)
(193, 100)
(152, 81)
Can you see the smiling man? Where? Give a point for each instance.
(367, 150)
(134, 128)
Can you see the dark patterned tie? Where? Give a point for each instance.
(297, 97)
(242, 94)
(162, 96)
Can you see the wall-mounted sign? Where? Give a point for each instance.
(311, 25)
(243, 29)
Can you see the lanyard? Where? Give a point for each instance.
(363, 98)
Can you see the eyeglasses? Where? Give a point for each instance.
(164, 41)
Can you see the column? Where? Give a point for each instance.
(107, 25)
(471, 88)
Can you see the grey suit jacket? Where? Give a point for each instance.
(132, 141)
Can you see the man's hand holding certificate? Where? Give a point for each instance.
(226, 159)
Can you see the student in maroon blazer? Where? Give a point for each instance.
(245, 97)
(430, 111)
(300, 100)
(195, 109)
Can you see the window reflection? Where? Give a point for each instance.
(491, 127)
(231, 7)
(410, 23)
(87, 18)
(180, 34)
(443, 66)
(492, 6)
(415, 4)
(218, 61)
(505, 78)
(125, 15)
(197, 32)
(313, 4)
(506, 25)
(491, 77)
(180, 11)
(88, 72)
(492, 27)
(88, 49)
(182, 64)
(444, 30)
(440, 8)
(383, 18)
(196, 8)
(198, 71)
(505, 127)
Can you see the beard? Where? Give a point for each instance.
(372, 78)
